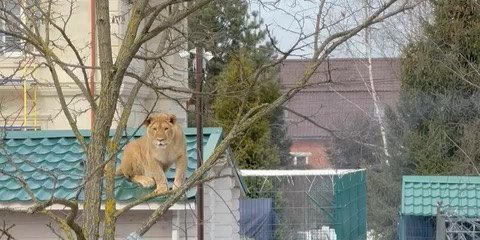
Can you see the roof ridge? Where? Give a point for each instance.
(42, 134)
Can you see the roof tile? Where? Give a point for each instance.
(421, 194)
(48, 142)
(8, 168)
(64, 142)
(8, 195)
(40, 149)
(51, 162)
(14, 143)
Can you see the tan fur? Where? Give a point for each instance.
(146, 159)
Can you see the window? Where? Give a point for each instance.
(11, 10)
(300, 158)
(18, 14)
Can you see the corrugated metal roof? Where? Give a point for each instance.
(421, 194)
(51, 163)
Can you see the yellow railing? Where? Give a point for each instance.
(29, 112)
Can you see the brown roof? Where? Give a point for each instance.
(339, 91)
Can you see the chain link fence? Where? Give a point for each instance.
(457, 224)
(304, 205)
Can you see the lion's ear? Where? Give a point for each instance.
(173, 118)
(147, 121)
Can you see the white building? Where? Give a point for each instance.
(28, 97)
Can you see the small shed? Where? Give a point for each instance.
(51, 163)
(426, 197)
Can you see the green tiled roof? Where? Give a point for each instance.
(420, 195)
(51, 163)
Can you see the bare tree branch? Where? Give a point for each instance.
(310, 120)
(4, 231)
(50, 226)
(166, 194)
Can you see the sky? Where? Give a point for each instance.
(288, 19)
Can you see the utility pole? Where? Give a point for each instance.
(199, 125)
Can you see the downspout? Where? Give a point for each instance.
(92, 57)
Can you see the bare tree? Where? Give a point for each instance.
(372, 89)
(42, 30)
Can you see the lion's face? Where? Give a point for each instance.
(160, 129)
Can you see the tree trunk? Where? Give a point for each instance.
(375, 98)
(102, 122)
(373, 92)
(110, 201)
(91, 215)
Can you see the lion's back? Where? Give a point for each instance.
(134, 156)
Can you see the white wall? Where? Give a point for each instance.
(162, 230)
(34, 227)
(221, 209)
(51, 117)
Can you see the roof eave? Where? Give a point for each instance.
(24, 206)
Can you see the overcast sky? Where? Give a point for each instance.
(288, 19)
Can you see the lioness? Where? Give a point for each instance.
(146, 159)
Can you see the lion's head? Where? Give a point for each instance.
(160, 129)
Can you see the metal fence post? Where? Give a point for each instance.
(441, 230)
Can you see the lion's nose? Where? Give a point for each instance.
(160, 139)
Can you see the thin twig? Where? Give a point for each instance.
(5, 230)
(461, 150)
(50, 226)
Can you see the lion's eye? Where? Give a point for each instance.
(155, 129)
(166, 128)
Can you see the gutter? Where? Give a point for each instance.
(92, 57)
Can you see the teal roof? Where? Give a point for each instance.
(420, 195)
(51, 163)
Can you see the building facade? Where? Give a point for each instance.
(28, 98)
(338, 93)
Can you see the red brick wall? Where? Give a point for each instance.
(346, 94)
(317, 148)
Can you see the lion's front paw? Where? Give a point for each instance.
(177, 185)
(146, 182)
(161, 188)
